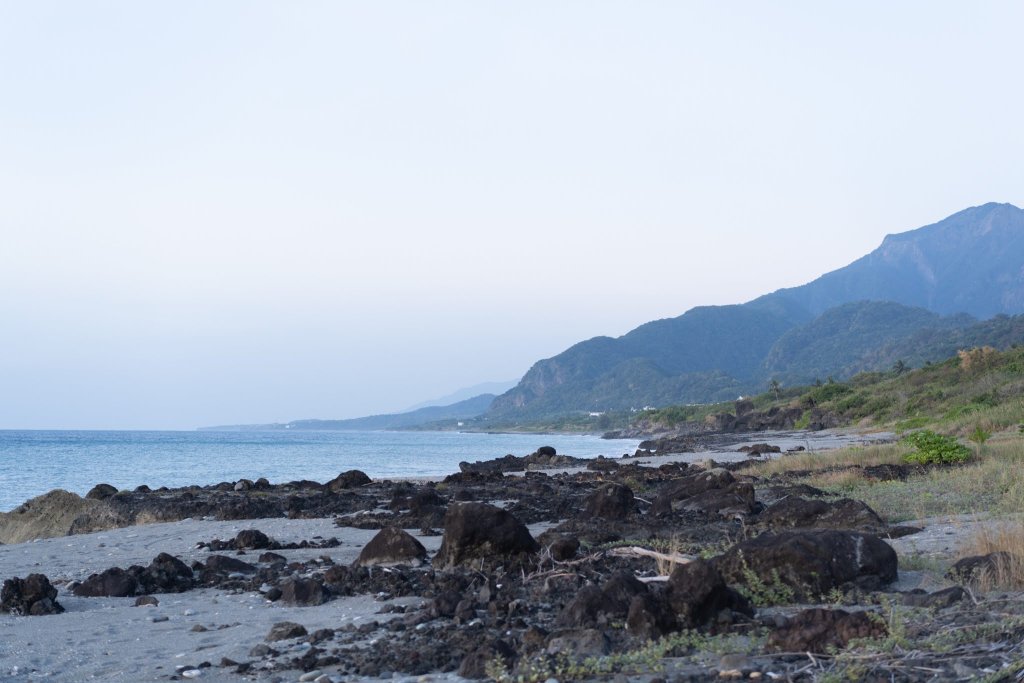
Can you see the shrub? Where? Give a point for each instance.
(935, 449)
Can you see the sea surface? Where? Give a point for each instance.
(34, 462)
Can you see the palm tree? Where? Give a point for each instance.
(775, 387)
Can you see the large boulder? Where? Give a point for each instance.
(824, 630)
(809, 563)
(165, 574)
(392, 546)
(303, 591)
(697, 592)
(31, 596)
(114, 582)
(348, 480)
(474, 531)
(992, 568)
(101, 492)
(795, 512)
(610, 501)
(593, 606)
(714, 491)
(251, 539)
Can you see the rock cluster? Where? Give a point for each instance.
(31, 596)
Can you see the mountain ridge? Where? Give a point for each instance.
(970, 262)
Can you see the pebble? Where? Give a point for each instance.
(310, 676)
(159, 617)
(191, 673)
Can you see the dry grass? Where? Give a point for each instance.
(863, 456)
(993, 484)
(1002, 536)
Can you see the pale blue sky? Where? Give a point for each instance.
(219, 212)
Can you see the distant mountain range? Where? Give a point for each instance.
(461, 410)
(915, 298)
(465, 393)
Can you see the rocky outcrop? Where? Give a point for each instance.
(392, 546)
(114, 582)
(715, 491)
(610, 501)
(57, 513)
(348, 480)
(543, 458)
(698, 593)
(809, 563)
(795, 512)
(478, 531)
(165, 574)
(31, 596)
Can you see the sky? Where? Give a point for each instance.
(249, 212)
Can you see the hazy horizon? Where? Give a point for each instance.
(249, 212)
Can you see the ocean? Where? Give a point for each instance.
(34, 462)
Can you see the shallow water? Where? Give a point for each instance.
(34, 462)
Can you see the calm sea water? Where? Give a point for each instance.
(34, 462)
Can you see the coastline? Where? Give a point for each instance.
(217, 629)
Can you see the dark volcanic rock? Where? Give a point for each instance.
(114, 582)
(284, 630)
(937, 600)
(101, 492)
(165, 574)
(547, 450)
(31, 596)
(305, 592)
(650, 617)
(222, 564)
(698, 592)
(251, 539)
(845, 513)
(348, 480)
(475, 663)
(667, 445)
(810, 563)
(580, 643)
(714, 491)
(982, 567)
(593, 606)
(392, 546)
(759, 449)
(823, 630)
(564, 548)
(610, 501)
(481, 531)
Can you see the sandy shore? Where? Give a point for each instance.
(110, 639)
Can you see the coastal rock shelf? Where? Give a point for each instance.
(481, 574)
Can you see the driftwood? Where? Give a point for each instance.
(635, 551)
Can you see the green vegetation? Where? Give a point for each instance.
(935, 449)
(977, 389)
(761, 592)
